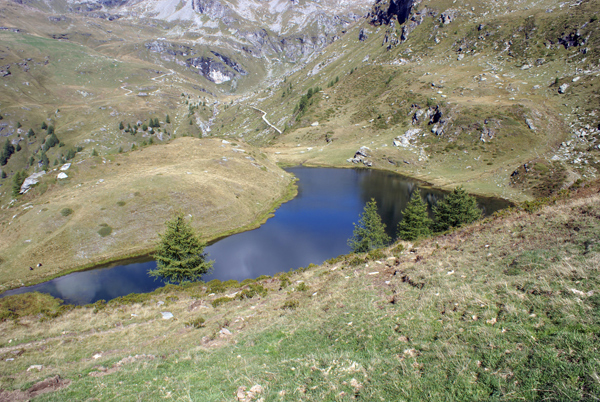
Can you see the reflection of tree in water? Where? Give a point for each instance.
(392, 192)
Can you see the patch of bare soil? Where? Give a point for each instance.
(51, 384)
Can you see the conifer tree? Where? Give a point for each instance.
(168, 120)
(415, 223)
(180, 255)
(369, 233)
(456, 209)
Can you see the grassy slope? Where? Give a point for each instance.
(372, 105)
(504, 309)
(134, 194)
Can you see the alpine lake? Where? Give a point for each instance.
(309, 229)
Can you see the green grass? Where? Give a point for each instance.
(502, 309)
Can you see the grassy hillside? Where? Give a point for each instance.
(501, 310)
(114, 206)
(492, 74)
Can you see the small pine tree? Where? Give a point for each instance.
(121, 126)
(18, 147)
(369, 233)
(18, 180)
(167, 120)
(30, 133)
(180, 255)
(94, 152)
(456, 209)
(44, 125)
(50, 130)
(19, 124)
(415, 223)
(3, 174)
(44, 161)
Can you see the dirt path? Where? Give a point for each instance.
(265, 119)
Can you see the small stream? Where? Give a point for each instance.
(311, 228)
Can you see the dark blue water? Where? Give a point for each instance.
(311, 228)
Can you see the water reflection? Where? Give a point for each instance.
(311, 228)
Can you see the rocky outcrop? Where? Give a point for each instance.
(384, 11)
(361, 156)
(172, 49)
(448, 16)
(231, 63)
(212, 70)
(362, 36)
(214, 9)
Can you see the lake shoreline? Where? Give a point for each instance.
(145, 254)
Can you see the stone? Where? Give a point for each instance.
(225, 331)
(256, 389)
(30, 181)
(66, 166)
(37, 367)
(166, 315)
(460, 57)
(315, 124)
(563, 88)
(241, 393)
(448, 16)
(62, 175)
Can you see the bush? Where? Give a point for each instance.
(66, 211)
(302, 287)
(221, 300)
(197, 323)
(105, 231)
(284, 281)
(290, 305)
(253, 290)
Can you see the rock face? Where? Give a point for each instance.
(212, 70)
(384, 11)
(30, 181)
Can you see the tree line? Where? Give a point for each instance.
(456, 209)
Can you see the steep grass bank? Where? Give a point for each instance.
(503, 309)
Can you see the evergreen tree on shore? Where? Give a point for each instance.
(415, 223)
(369, 233)
(456, 209)
(180, 255)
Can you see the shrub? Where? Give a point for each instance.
(105, 231)
(215, 286)
(284, 281)
(220, 300)
(253, 290)
(197, 323)
(302, 287)
(121, 203)
(290, 305)
(376, 254)
(66, 211)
